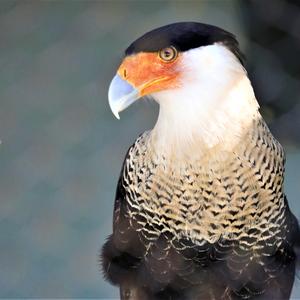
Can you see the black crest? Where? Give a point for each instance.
(184, 36)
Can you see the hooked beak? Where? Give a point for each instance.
(121, 94)
(140, 75)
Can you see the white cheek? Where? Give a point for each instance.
(214, 103)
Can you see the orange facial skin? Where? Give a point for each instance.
(148, 73)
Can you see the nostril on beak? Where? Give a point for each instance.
(124, 73)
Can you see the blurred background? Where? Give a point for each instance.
(62, 149)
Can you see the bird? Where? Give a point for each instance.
(200, 210)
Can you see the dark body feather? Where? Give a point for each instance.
(223, 232)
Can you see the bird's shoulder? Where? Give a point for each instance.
(122, 225)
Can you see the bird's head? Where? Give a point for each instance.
(193, 70)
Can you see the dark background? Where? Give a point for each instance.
(62, 149)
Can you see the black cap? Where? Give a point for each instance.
(184, 36)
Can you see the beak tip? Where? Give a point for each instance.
(116, 114)
(120, 95)
(114, 109)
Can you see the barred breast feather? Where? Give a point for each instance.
(216, 227)
(236, 196)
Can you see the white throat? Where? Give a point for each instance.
(214, 106)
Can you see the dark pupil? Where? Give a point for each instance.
(168, 53)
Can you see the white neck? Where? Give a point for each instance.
(215, 105)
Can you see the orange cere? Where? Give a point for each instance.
(149, 74)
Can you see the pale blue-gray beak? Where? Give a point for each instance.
(120, 95)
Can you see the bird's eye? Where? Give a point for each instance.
(168, 54)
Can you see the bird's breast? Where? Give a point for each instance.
(234, 196)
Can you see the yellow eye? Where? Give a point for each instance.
(168, 54)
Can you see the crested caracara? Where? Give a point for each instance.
(200, 211)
